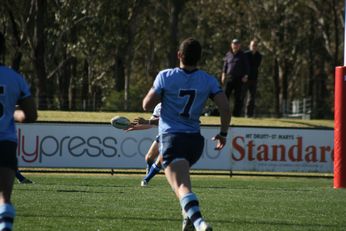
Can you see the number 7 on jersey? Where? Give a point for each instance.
(191, 94)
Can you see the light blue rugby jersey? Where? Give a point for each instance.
(12, 88)
(183, 96)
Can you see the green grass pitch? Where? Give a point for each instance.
(83, 202)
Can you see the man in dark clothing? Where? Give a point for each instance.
(234, 75)
(254, 58)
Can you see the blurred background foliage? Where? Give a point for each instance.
(103, 55)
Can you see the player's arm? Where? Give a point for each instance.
(141, 123)
(151, 100)
(26, 111)
(152, 121)
(221, 102)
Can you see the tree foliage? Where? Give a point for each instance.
(104, 55)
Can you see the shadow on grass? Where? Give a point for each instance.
(66, 190)
(160, 219)
(79, 191)
(283, 189)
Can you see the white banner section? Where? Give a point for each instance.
(77, 145)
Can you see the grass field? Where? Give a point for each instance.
(92, 202)
(102, 202)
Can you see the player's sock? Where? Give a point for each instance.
(154, 169)
(19, 176)
(7, 214)
(149, 164)
(189, 203)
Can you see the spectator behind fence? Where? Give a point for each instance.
(254, 58)
(235, 74)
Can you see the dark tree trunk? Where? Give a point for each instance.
(64, 84)
(284, 86)
(73, 88)
(119, 73)
(177, 6)
(311, 63)
(336, 32)
(85, 86)
(39, 52)
(276, 85)
(17, 58)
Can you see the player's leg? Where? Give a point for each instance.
(182, 169)
(8, 166)
(151, 155)
(19, 176)
(177, 171)
(177, 174)
(22, 179)
(154, 169)
(7, 211)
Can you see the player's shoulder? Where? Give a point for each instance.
(167, 72)
(10, 73)
(205, 74)
(4, 68)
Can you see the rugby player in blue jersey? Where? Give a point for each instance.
(151, 158)
(16, 104)
(183, 92)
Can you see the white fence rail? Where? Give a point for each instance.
(300, 108)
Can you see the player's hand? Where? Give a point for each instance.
(221, 141)
(138, 124)
(139, 120)
(244, 79)
(133, 127)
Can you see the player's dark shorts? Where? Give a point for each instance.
(8, 154)
(187, 146)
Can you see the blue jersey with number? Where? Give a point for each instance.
(183, 96)
(12, 88)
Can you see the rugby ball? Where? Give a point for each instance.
(120, 122)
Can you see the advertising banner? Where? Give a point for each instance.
(77, 145)
(282, 149)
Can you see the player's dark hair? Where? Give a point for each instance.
(191, 51)
(2, 43)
